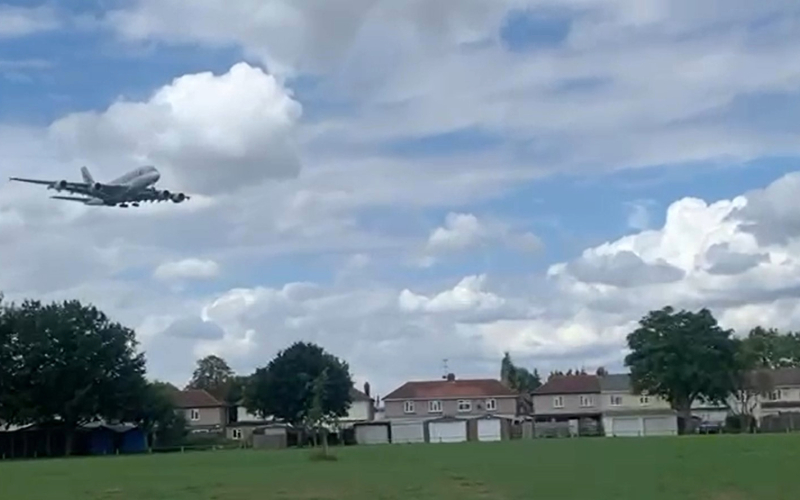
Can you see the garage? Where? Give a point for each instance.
(666, 425)
(372, 434)
(448, 432)
(408, 432)
(489, 430)
(625, 426)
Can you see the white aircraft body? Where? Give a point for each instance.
(131, 189)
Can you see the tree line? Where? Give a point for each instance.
(67, 362)
(685, 357)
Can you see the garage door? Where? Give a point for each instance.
(372, 434)
(408, 432)
(489, 430)
(660, 426)
(625, 426)
(448, 432)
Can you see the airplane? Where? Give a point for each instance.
(132, 188)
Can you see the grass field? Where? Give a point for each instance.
(703, 467)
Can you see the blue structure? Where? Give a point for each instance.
(109, 439)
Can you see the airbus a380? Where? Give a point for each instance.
(132, 188)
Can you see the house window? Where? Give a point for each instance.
(408, 407)
(464, 405)
(491, 405)
(558, 402)
(236, 434)
(435, 406)
(194, 415)
(774, 395)
(587, 401)
(644, 400)
(616, 400)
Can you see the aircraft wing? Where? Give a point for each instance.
(71, 198)
(72, 187)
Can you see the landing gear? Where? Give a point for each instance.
(123, 205)
(135, 204)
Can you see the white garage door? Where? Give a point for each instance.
(660, 426)
(408, 432)
(625, 426)
(489, 430)
(448, 432)
(372, 434)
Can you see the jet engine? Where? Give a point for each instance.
(166, 195)
(61, 185)
(178, 197)
(97, 186)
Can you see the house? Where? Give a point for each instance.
(362, 407)
(450, 397)
(626, 413)
(568, 405)
(245, 424)
(204, 413)
(439, 410)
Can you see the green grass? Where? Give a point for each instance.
(703, 467)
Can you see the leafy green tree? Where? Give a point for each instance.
(213, 375)
(769, 348)
(284, 388)
(518, 378)
(157, 415)
(318, 418)
(76, 365)
(11, 404)
(683, 356)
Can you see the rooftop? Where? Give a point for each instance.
(448, 389)
(196, 398)
(570, 384)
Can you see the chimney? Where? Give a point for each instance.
(451, 377)
(366, 388)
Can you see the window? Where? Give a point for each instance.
(587, 401)
(194, 414)
(644, 400)
(408, 407)
(464, 405)
(616, 400)
(491, 405)
(558, 401)
(236, 433)
(774, 395)
(435, 406)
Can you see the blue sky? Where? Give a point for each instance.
(573, 126)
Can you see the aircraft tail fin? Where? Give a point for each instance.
(87, 177)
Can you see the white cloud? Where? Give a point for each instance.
(462, 232)
(211, 133)
(23, 21)
(187, 269)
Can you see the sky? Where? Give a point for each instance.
(406, 183)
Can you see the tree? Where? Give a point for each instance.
(11, 405)
(213, 375)
(284, 388)
(76, 365)
(318, 418)
(769, 348)
(601, 371)
(518, 378)
(157, 416)
(682, 356)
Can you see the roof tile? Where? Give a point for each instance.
(444, 389)
(570, 384)
(196, 398)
